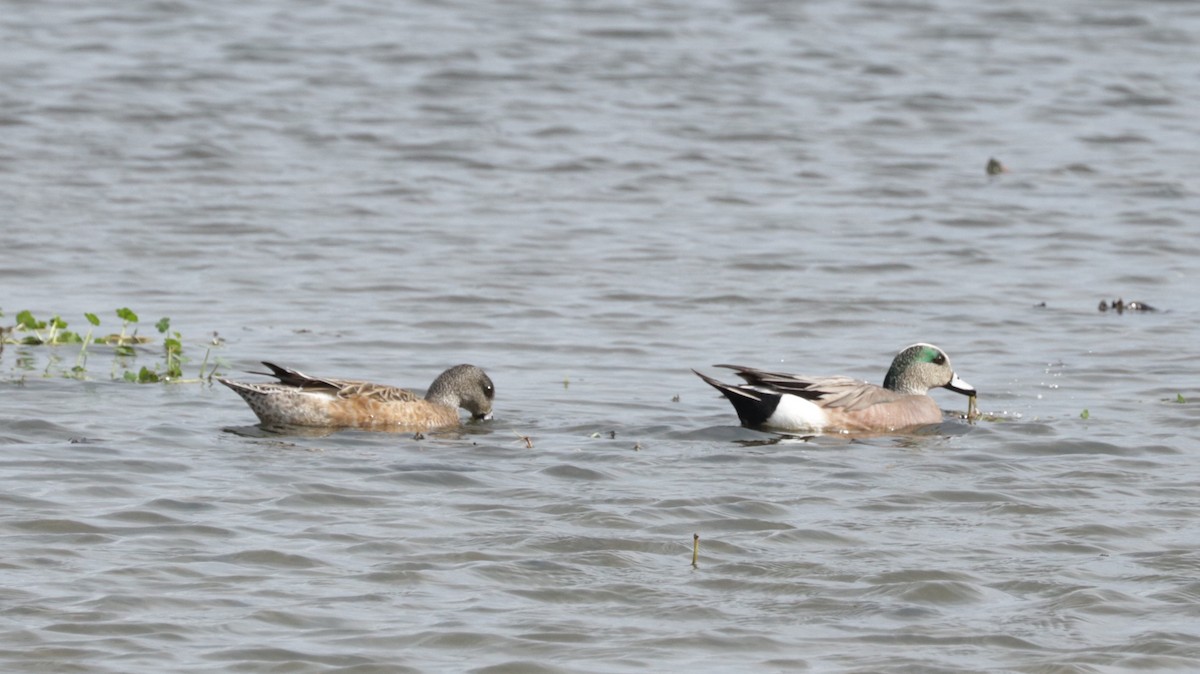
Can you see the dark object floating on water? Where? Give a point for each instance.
(1121, 306)
(995, 168)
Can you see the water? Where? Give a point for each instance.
(588, 199)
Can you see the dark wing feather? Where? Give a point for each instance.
(343, 388)
(835, 392)
(297, 378)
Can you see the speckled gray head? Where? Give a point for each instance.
(464, 386)
(920, 367)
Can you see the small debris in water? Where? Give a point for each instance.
(1121, 306)
(995, 168)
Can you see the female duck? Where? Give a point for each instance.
(300, 400)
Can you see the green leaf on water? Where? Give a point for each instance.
(26, 320)
(1180, 399)
(125, 314)
(130, 376)
(174, 347)
(163, 324)
(58, 323)
(91, 318)
(1084, 414)
(147, 376)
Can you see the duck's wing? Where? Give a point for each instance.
(342, 388)
(290, 377)
(377, 392)
(845, 393)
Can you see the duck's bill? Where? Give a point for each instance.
(482, 417)
(959, 386)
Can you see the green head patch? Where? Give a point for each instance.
(928, 354)
(898, 374)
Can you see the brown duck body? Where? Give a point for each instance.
(298, 399)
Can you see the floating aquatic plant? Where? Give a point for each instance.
(29, 331)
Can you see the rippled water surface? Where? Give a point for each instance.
(588, 200)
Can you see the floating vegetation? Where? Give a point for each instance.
(125, 347)
(994, 167)
(695, 550)
(974, 414)
(1085, 414)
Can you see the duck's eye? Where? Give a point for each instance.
(940, 359)
(489, 392)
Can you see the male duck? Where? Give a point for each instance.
(799, 404)
(300, 400)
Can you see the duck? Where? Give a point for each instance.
(298, 399)
(794, 403)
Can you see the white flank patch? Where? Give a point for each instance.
(797, 414)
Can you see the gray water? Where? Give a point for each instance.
(588, 200)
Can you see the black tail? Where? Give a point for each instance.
(753, 406)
